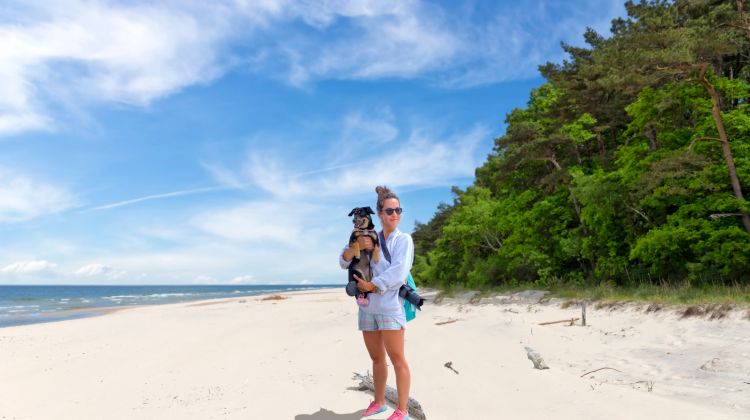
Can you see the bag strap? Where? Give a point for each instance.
(383, 246)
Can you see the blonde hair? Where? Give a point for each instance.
(384, 194)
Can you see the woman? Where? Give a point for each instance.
(383, 321)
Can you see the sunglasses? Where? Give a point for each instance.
(398, 210)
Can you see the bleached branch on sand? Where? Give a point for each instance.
(571, 320)
(536, 358)
(413, 407)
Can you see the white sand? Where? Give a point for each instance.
(296, 357)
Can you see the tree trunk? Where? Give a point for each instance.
(614, 137)
(601, 142)
(577, 207)
(578, 155)
(575, 204)
(651, 133)
(725, 143)
(570, 188)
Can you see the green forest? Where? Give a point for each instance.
(628, 168)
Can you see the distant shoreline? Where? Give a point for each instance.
(26, 305)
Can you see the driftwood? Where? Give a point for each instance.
(536, 358)
(449, 365)
(413, 407)
(447, 322)
(571, 320)
(583, 313)
(599, 370)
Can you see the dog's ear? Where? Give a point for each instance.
(369, 210)
(355, 209)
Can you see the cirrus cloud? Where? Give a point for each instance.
(92, 270)
(27, 267)
(22, 198)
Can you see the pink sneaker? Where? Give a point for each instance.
(399, 415)
(375, 409)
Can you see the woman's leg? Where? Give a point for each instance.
(374, 343)
(394, 345)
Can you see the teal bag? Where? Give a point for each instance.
(411, 310)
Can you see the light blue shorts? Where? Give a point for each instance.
(374, 322)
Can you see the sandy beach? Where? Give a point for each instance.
(294, 359)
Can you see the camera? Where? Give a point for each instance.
(410, 295)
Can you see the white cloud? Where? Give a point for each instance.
(242, 280)
(255, 221)
(235, 281)
(303, 207)
(22, 198)
(93, 270)
(74, 53)
(114, 275)
(420, 161)
(400, 38)
(27, 267)
(108, 272)
(205, 280)
(305, 282)
(368, 130)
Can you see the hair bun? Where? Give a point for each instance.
(382, 190)
(384, 194)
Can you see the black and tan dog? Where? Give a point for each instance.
(360, 264)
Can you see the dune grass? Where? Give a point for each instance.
(682, 293)
(667, 293)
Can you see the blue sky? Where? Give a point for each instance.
(225, 142)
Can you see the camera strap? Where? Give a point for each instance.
(383, 246)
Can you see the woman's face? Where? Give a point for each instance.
(391, 221)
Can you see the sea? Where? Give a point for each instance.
(23, 305)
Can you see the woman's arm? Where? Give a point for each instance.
(402, 256)
(348, 253)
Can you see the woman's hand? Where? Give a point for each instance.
(363, 285)
(365, 242)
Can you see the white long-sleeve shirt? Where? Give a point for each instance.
(389, 276)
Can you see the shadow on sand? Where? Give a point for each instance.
(324, 414)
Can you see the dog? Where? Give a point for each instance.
(360, 264)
